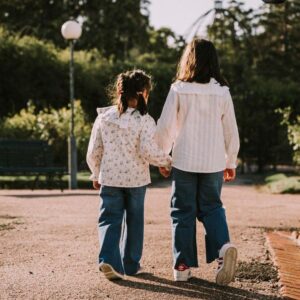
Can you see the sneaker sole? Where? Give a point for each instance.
(183, 278)
(109, 272)
(227, 272)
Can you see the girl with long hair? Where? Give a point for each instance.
(198, 124)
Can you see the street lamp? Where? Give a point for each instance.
(71, 31)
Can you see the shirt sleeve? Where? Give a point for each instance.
(95, 150)
(231, 134)
(149, 148)
(167, 123)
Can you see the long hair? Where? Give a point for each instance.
(199, 63)
(130, 85)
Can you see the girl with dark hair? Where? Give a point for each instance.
(120, 150)
(198, 124)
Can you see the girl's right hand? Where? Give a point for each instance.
(229, 175)
(96, 185)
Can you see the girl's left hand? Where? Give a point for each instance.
(96, 185)
(164, 172)
(229, 175)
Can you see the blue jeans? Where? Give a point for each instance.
(197, 196)
(121, 227)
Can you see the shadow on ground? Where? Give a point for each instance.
(195, 288)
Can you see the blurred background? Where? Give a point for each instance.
(259, 48)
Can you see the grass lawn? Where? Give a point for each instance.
(27, 182)
(281, 184)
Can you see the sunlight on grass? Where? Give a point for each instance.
(280, 184)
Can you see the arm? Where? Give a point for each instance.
(95, 150)
(149, 148)
(231, 134)
(167, 124)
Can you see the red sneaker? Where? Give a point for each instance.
(182, 273)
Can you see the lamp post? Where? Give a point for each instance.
(71, 31)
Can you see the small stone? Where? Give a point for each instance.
(31, 273)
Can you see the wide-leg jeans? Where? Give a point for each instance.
(121, 227)
(197, 196)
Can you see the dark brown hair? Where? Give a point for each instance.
(199, 63)
(131, 85)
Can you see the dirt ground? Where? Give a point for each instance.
(49, 247)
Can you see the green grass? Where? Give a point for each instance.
(26, 182)
(282, 184)
(81, 176)
(83, 181)
(275, 177)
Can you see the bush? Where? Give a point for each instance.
(275, 177)
(50, 125)
(31, 69)
(281, 184)
(293, 129)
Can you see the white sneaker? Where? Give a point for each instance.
(226, 264)
(140, 271)
(109, 272)
(183, 275)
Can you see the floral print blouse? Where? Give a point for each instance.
(122, 147)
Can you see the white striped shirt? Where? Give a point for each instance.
(198, 122)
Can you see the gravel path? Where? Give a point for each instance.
(49, 247)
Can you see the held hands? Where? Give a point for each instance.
(229, 175)
(165, 172)
(96, 185)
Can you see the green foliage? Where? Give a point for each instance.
(28, 182)
(259, 54)
(112, 26)
(50, 125)
(260, 66)
(281, 184)
(159, 46)
(276, 177)
(31, 69)
(293, 129)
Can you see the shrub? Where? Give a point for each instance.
(51, 125)
(293, 128)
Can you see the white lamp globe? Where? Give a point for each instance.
(71, 30)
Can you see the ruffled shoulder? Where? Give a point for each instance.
(213, 87)
(131, 118)
(102, 110)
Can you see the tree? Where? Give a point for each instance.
(243, 39)
(280, 40)
(112, 26)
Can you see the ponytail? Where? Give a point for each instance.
(142, 105)
(123, 104)
(131, 85)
